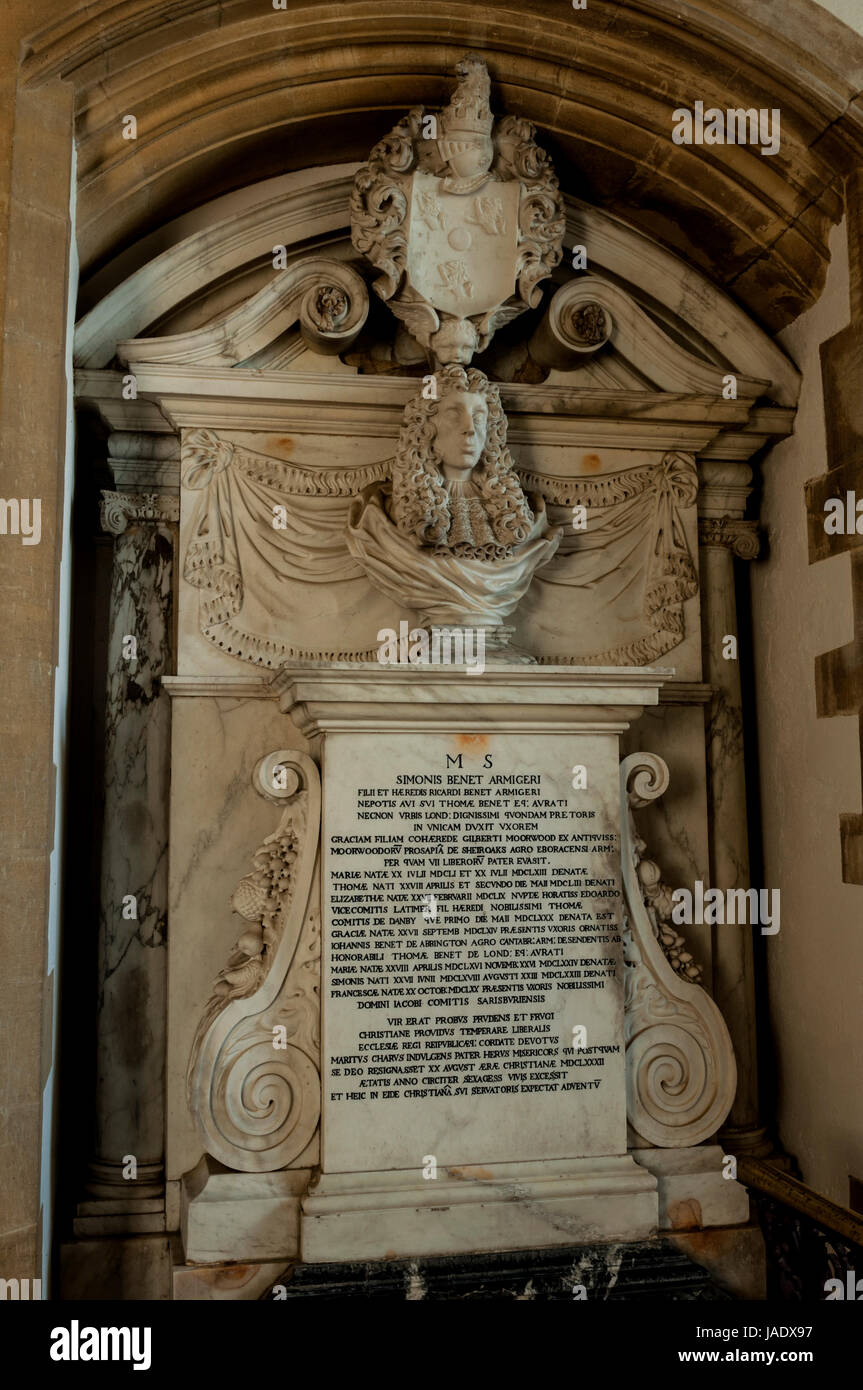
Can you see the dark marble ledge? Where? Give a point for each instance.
(650, 1269)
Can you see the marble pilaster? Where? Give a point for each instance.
(724, 535)
(133, 920)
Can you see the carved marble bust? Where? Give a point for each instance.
(453, 484)
(453, 536)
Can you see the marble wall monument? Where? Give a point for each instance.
(424, 993)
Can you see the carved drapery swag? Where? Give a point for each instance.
(267, 550)
(629, 568)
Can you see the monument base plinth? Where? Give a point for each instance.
(695, 1191)
(501, 1206)
(240, 1216)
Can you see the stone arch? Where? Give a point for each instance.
(223, 93)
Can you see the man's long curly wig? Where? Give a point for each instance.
(420, 505)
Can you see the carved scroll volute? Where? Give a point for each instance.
(681, 1075)
(329, 299)
(253, 1081)
(333, 311)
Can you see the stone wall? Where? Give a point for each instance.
(35, 171)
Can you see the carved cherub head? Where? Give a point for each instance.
(454, 487)
(455, 341)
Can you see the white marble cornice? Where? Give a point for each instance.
(222, 398)
(367, 697)
(238, 687)
(673, 692)
(102, 391)
(242, 687)
(356, 696)
(735, 445)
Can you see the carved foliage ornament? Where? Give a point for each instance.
(730, 533)
(659, 904)
(253, 1082)
(681, 1074)
(122, 509)
(462, 217)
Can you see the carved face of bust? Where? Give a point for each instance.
(461, 422)
(458, 438)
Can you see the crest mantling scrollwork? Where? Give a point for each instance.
(462, 217)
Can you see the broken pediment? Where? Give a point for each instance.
(326, 300)
(180, 293)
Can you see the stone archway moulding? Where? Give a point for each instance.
(225, 97)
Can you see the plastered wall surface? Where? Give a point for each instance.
(810, 770)
(849, 11)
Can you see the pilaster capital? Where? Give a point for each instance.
(121, 509)
(730, 533)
